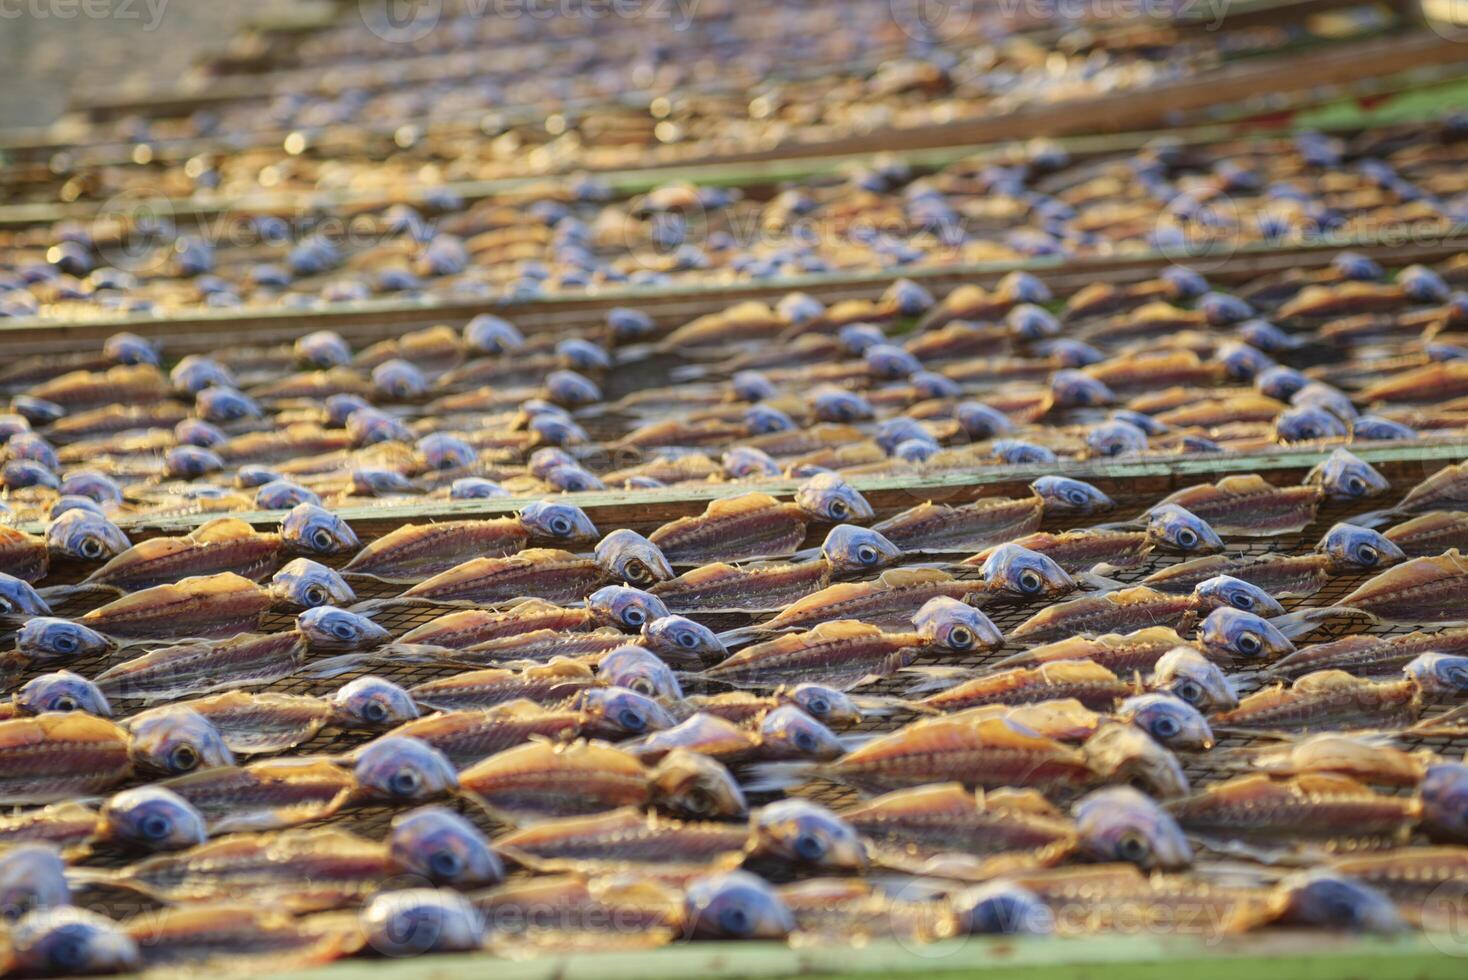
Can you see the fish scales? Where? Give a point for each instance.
(1293, 575)
(199, 668)
(1112, 612)
(415, 552)
(755, 525)
(1250, 506)
(838, 649)
(466, 627)
(721, 587)
(547, 573)
(203, 606)
(988, 521)
(221, 545)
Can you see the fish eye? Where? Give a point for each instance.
(1030, 582)
(1187, 537)
(315, 595)
(90, 548)
(342, 630)
(866, 554)
(446, 864)
(404, 782)
(735, 920)
(1166, 727)
(1310, 432)
(634, 616)
(1189, 691)
(1132, 847)
(698, 800)
(1355, 486)
(818, 706)
(809, 847)
(838, 508)
(64, 702)
(1241, 600)
(636, 571)
(631, 720)
(560, 525)
(1249, 643)
(643, 685)
(67, 953)
(374, 711)
(687, 640)
(64, 643)
(321, 539)
(1367, 555)
(1076, 497)
(960, 638)
(183, 758)
(804, 741)
(155, 826)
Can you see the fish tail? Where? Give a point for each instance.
(938, 677)
(882, 706)
(740, 634)
(1134, 524)
(1374, 518)
(806, 554)
(767, 777)
(369, 606)
(1302, 621)
(329, 667)
(1098, 582)
(51, 592)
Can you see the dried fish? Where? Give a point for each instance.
(60, 756)
(202, 606)
(202, 667)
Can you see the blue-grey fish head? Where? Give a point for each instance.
(789, 732)
(375, 481)
(195, 372)
(475, 488)
(827, 705)
(1002, 908)
(762, 420)
(1125, 754)
(980, 421)
(489, 334)
(253, 476)
(283, 495)
(1439, 674)
(73, 501)
(441, 451)
(305, 584)
(398, 767)
(176, 740)
(807, 835)
(956, 626)
(1280, 382)
(98, 487)
(1444, 793)
(1192, 677)
(1353, 548)
(547, 458)
(832, 404)
(625, 607)
(340, 407)
(616, 712)
(1179, 528)
(85, 536)
(32, 876)
(571, 389)
(322, 349)
(696, 787)
(373, 702)
(399, 380)
(187, 462)
(68, 941)
(628, 557)
(1423, 285)
(557, 521)
(639, 669)
(735, 905)
(1327, 900)
(1345, 476)
(1018, 571)
(1307, 423)
(152, 817)
(1021, 452)
(1075, 389)
(330, 628)
(29, 445)
(129, 348)
(1024, 287)
(1374, 427)
(746, 462)
(443, 847)
(1243, 362)
(849, 548)
(1234, 635)
(48, 638)
(1116, 437)
(369, 426)
(17, 596)
(1063, 495)
(751, 386)
(414, 921)
(1168, 719)
(827, 497)
(313, 530)
(889, 362)
(580, 354)
(1031, 322)
(547, 429)
(222, 404)
(62, 691)
(678, 638)
(1225, 590)
(1120, 823)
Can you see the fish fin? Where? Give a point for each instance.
(767, 777)
(806, 554)
(369, 606)
(937, 677)
(743, 634)
(384, 579)
(1135, 524)
(329, 667)
(881, 706)
(1374, 518)
(50, 592)
(1302, 621)
(1099, 583)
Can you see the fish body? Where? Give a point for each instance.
(547, 573)
(1314, 807)
(68, 826)
(540, 646)
(1371, 654)
(754, 525)
(1250, 506)
(23, 555)
(265, 795)
(758, 587)
(235, 935)
(623, 840)
(551, 683)
(1082, 680)
(202, 606)
(1431, 533)
(1119, 653)
(837, 652)
(1290, 575)
(1082, 550)
(1110, 612)
(266, 721)
(890, 599)
(205, 666)
(60, 756)
(464, 628)
(1324, 700)
(465, 737)
(1422, 590)
(947, 819)
(941, 527)
(224, 544)
(1447, 489)
(415, 552)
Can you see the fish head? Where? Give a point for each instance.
(254, 475)
(573, 479)
(330, 628)
(1023, 573)
(1345, 476)
(283, 495)
(1120, 823)
(1423, 285)
(218, 403)
(442, 451)
(372, 702)
(625, 607)
(1192, 677)
(580, 354)
(556, 521)
(343, 406)
(1306, 424)
(1116, 437)
(808, 835)
(1222, 591)
(19, 597)
(311, 529)
(638, 669)
(1233, 635)
(97, 487)
(374, 481)
(571, 389)
(1125, 753)
(187, 462)
(1352, 548)
(475, 488)
(751, 386)
(1063, 495)
(399, 380)
(980, 421)
(1018, 452)
(398, 767)
(746, 462)
(830, 707)
(414, 921)
(789, 732)
(62, 691)
(696, 787)
(679, 638)
(32, 876)
(129, 348)
(71, 501)
(616, 712)
(1149, 425)
(490, 334)
(735, 905)
(29, 445)
(49, 638)
(1279, 382)
(85, 536)
(369, 426)
(152, 817)
(1444, 794)
(916, 450)
(1030, 322)
(176, 740)
(629, 557)
(1002, 908)
(629, 324)
(1265, 336)
(1177, 527)
(443, 847)
(1243, 362)
(321, 349)
(827, 497)
(195, 372)
(1328, 900)
(956, 626)
(1438, 674)
(1169, 719)
(550, 429)
(889, 362)
(857, 337)
(68, 941)
(1070, 388)
(547, 458)
(831, 404)
(20, 474)
(849, 548)
(36, 411)
(762, 420)
(305, 584)
(906, 298)
(1374, 427)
